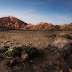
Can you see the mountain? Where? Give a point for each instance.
(12, 23)
(47, 26)
(42, 26)
(65, 27)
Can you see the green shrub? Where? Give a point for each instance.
(67, 36)
(14, 51)
(31, 51)
(17, 48)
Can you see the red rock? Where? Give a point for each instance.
(12, 23)
(41, 26)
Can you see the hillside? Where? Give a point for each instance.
(12, 23)
(42, 26)
(49, 26)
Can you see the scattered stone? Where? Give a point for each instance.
(24, 57)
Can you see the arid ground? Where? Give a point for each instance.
(53, 51)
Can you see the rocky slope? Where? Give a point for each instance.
(42, 26)
(7, 23)
(47, 26)
(12, 23)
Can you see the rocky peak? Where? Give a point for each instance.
(12, 22)
(10, 16)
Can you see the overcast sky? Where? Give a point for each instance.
(35, 11)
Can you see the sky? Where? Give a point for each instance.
(34, 11)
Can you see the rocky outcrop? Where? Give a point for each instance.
(51, 27)
(65, 27)
(41, 26)
(3, 28)
(12, 23)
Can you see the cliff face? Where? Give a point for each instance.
(12, 23)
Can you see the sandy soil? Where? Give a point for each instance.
(38, 39)
(49, 60)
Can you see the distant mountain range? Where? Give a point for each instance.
(12, 23)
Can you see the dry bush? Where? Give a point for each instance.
(61, 34)
(67, 36)
(64, 35)
(61, 43)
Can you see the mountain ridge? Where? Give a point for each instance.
(13, 23)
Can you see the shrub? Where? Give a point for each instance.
(3, 50)
(31, 51)
(14, 51)
(53, 35)
(61, 43)
(17, 48)
(67, 36)
(52, 30)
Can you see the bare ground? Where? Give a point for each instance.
(49, 59)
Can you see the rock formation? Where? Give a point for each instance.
(13, 23)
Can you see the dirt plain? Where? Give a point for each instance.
(49, 60)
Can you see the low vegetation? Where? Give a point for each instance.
(14, 51)
(3, 50)
(53, 35)
(61, 43)
(31, 51)
(67, 36)
(54, 55)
